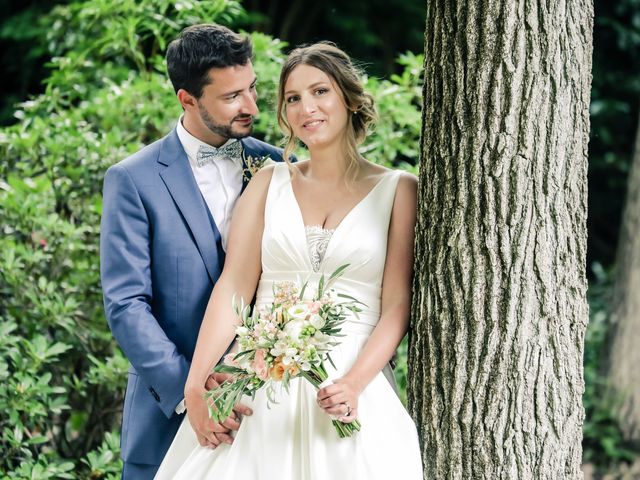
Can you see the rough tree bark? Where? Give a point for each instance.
(624, 354)
(499, 310)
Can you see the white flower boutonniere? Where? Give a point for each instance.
(253, 164)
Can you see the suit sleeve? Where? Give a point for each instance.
(125, 270)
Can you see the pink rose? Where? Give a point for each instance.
(260, 365)
(314, 307)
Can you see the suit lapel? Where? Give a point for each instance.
(184, 190)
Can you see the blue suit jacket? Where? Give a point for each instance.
(160, 255)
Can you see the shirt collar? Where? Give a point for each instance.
(191, 144)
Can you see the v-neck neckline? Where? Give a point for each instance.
(336, 229)
(358, 203)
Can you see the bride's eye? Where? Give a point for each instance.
(292, 99)
(321, 91)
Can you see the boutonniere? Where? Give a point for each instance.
(253, 164)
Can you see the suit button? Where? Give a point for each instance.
(155, 394)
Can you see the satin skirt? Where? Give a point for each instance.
(294, 438)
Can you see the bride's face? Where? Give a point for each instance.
(315, 107)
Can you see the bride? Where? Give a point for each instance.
(300, 221)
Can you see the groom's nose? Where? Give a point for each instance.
(250, 107)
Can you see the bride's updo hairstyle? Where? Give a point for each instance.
(325, 56)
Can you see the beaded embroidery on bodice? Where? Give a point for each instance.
(317, 241)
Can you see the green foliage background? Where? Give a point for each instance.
(107, 94)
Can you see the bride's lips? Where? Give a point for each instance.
(312, 124)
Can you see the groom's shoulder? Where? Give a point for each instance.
(143, 159)
(253, 146)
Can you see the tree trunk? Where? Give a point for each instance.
(500, 311)
(624, 354)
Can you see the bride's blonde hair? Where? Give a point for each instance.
(325, 56)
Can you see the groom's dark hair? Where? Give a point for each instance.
(200, 48)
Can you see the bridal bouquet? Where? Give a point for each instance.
(289, 338)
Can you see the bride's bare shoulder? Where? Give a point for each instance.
(300, 167)
(256, 191)
(406, 195)
(407, 180)
(260, 180)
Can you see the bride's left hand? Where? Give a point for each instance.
(340, 399)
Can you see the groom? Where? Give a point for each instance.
(165, 221)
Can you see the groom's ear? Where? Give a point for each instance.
(187, 100)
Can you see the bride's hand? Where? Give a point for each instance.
(340, 399)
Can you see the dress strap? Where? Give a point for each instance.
(280, 178)
(385, 195)
(280, 174)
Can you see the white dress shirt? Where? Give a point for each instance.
(220, 183)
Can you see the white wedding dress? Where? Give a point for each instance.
(294, 439)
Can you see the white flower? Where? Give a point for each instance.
(240, 330)
(279, 348)
(293, 328)
(289, 359)
(320, 338)
(275, 351)
(317, 321)
(306, 366)
(299, 311)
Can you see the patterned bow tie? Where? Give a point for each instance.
(207, 154)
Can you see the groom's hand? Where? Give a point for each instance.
(216, 379)
(208, 432)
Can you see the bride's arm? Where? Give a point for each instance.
(395, 307)
(239, 277)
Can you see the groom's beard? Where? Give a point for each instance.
(225, 131)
